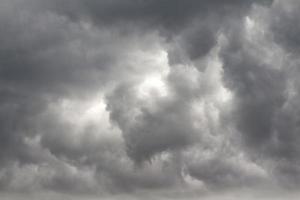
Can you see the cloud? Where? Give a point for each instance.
(259, 68)
(148, 99)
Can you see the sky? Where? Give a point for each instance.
(149, 99)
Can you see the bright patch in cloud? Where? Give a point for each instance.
(152, 86)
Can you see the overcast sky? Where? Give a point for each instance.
(149, 99)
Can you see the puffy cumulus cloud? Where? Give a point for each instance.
(149, 99)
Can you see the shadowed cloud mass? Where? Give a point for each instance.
(149, 99)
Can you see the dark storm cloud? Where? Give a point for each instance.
(284, 18)
(259, 90)
(170, 17)
(286, 34)
(167, 13)
(132, 96)
(265, 113)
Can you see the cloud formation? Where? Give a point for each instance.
(148, 99)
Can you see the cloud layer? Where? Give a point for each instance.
(148, 99)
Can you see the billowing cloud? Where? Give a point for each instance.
(149, 99)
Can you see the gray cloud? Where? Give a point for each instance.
(148, 99)
(284, 24)
(264, 86)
